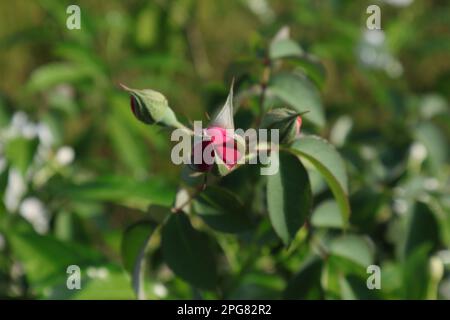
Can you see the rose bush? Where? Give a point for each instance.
(86, 185)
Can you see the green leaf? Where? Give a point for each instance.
(313, 68)
(299, 93)
(422, 229)
(435, 143)
(134, 243)
(151, 107)
(80, 55)
(284, 48)
(288, 197)
(46, 258)
(327, 215)
(187, 253)
(306, 283)
(416, 275)
(55, 73)
(20, 152)
(122, 190)
(222, 210)
(329, 163)
(355, 248)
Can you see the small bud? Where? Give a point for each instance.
(298, 125)
(287, 121)
(151, 107)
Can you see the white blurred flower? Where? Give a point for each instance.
(418, 152)
(368, 55)
(374, 37)
(262, 9)
(436, 268)
(160, 290)
(45, 134)
(20, 125)
(374, 53)
(65, 155)
(14, 190)
(431, 184)
(393, 67)
(400, 206)
(29, 131)
(19, 120)
(33, 210)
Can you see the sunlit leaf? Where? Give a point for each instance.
(327, 215)
(299, 93)
(288, 197)
(284, 48)
(354, 248)
(329, 163)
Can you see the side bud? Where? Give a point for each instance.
(151, 107)
(287, 121)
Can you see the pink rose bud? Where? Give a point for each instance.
(221, 143)
(298, 125)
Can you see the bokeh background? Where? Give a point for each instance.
(76, 168)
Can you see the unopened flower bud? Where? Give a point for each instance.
(287, 121)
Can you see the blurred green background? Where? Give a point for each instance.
(76, 168)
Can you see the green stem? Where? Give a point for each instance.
(199, 189)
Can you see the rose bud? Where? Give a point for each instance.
(151, 107)
(221, 148)
(298, 125)
(287, 121)
(218, 143)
